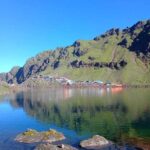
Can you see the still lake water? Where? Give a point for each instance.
(122, 116)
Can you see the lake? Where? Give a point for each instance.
(122, 116)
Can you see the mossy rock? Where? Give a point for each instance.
(30, 132)
(33, 136)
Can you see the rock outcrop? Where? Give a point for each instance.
(33, 136)
(96, 142)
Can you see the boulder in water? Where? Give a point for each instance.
(33, 136)
(96, 142)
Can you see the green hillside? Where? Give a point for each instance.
(121, 56)
(135, 71)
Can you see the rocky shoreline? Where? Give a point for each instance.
(46, 140)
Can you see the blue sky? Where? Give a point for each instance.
(28, 27)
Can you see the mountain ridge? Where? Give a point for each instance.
(117, 55)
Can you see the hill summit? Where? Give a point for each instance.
(121, 56)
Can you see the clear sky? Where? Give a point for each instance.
(28, 27)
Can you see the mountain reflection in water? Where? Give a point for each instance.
(115, 114)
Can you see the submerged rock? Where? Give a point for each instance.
(33, 136)
(54, 147)
(96, 142)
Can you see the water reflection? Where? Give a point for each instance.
(118, 117)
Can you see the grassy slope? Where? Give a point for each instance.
(105, 50)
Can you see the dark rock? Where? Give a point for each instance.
(110, 32)
(124, 43)
(91, 58)
(46, 61)
(126, 31)
(74, 63)
(123, 63)
(76, 44)
(56, 64)
(97, 38)
(97, 64)
(20, 75)
(63, 53)
(112, 65)
(77, 52)
(113, 32)
(138, 25)
(81, 63)
(141, 43)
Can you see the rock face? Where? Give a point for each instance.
(96, 142)
(111, 65)
(141, 43)
(33, 136)
(54, 147)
